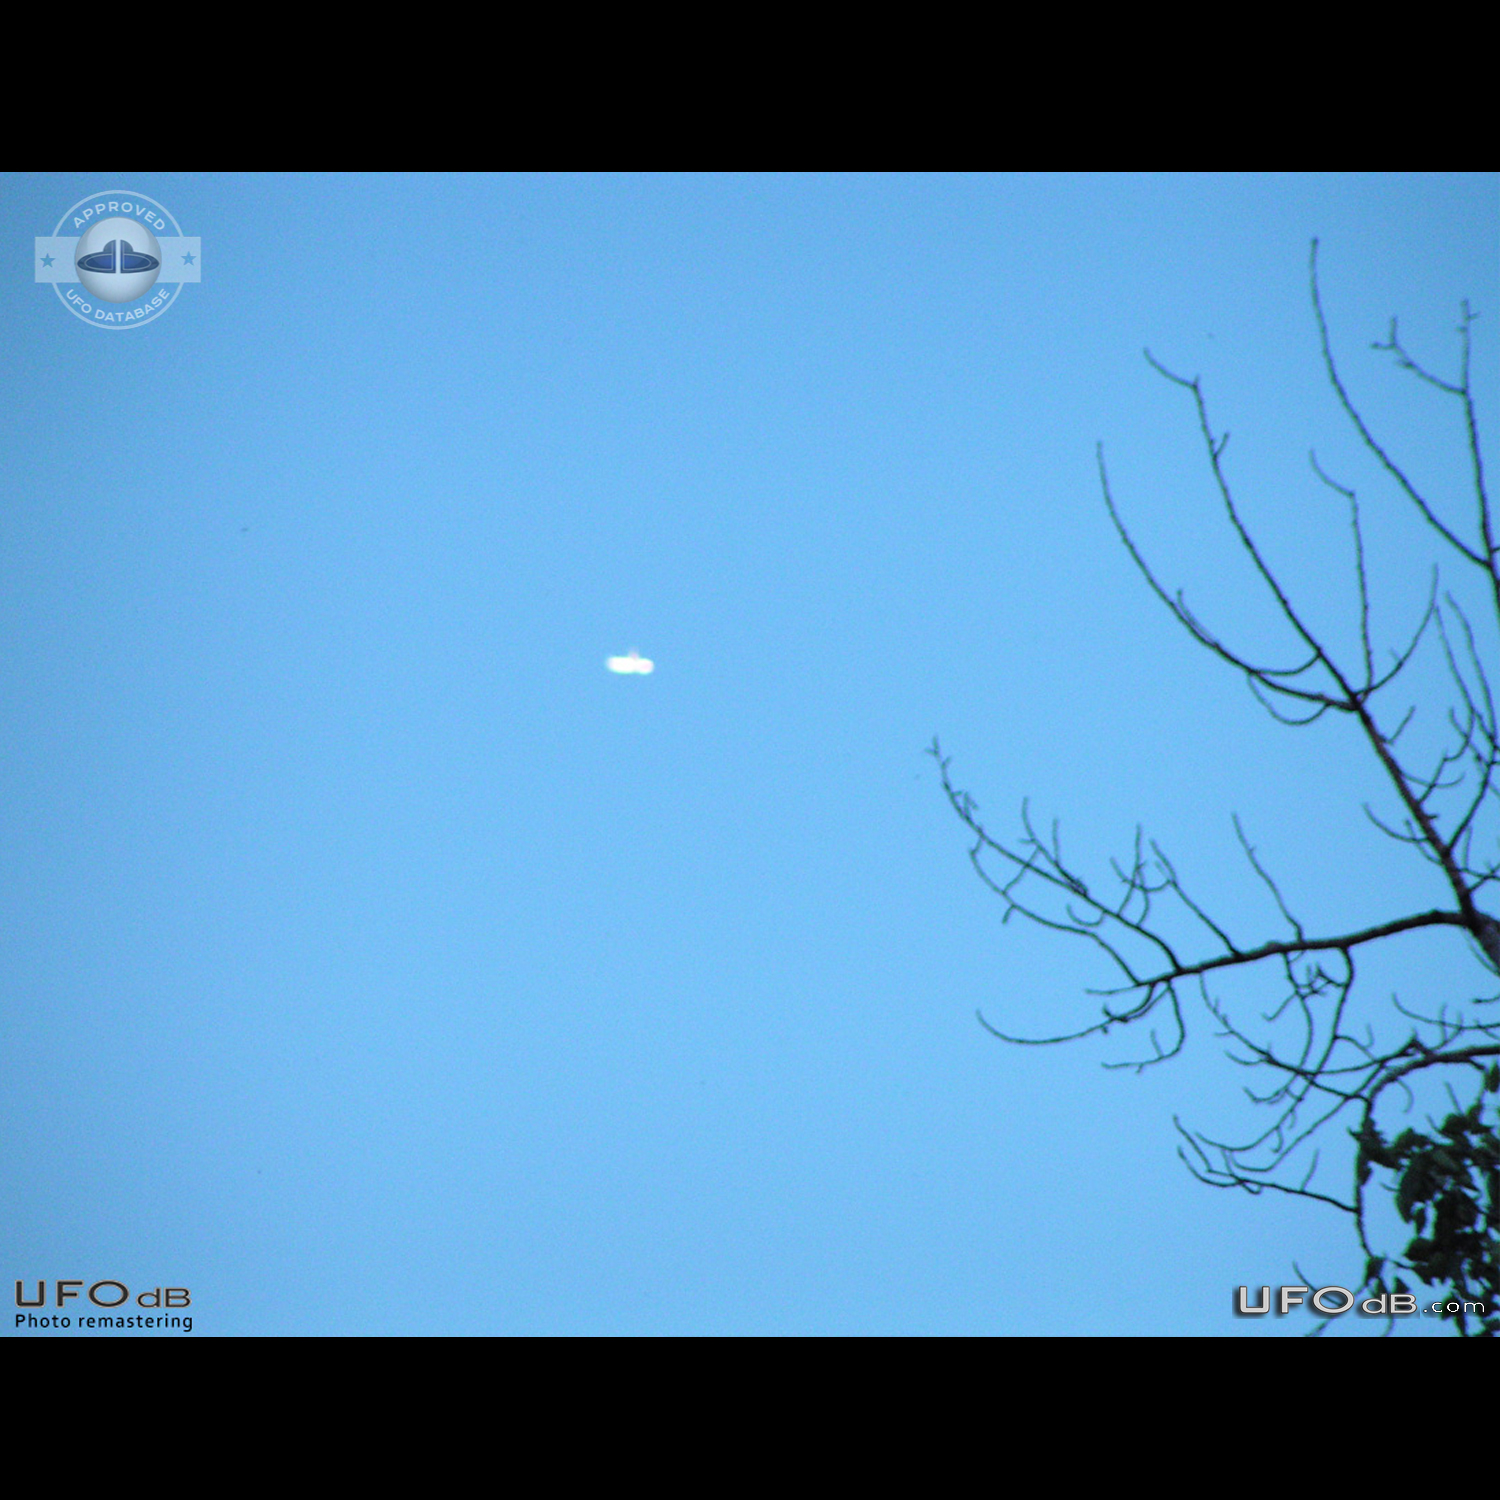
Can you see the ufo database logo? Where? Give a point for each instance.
(124, 262)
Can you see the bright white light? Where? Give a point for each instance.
(635, 662)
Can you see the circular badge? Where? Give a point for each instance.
(119, 259)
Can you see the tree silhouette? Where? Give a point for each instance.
(1314, 1053)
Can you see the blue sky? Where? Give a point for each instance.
(374, 961)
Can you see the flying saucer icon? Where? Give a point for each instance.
(118, 260)
(635, 662)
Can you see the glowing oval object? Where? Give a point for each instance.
(635, 662)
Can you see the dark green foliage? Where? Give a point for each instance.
(1448, 1189)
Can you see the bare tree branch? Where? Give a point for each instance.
(1315, 1062)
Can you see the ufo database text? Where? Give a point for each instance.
(635, 662)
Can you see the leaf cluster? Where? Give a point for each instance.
(1447, 1187)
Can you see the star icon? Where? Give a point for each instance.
(46, 260)
(187, 260)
